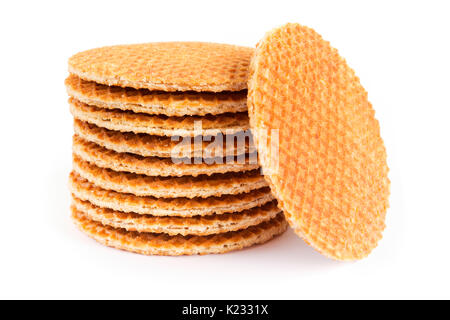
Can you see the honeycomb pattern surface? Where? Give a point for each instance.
(166, 66)
(330, 173)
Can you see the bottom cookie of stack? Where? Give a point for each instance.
(164, 244)
(175, 226)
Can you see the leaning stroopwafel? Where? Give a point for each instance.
(330, 174)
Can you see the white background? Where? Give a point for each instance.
(399, 49)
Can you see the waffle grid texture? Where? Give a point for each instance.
(330, 177)
(166, 66)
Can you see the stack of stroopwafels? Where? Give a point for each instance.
(150, 172)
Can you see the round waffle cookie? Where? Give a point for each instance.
(328, 166)
(159, 146)
(180, 207)
(170, 187)
(155, 102)
(166, 66)
(164, 244)
(128, 121)
(152, 166)
(198, 225)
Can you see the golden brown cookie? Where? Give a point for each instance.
(153, 166)
(198, 225)
(170, 187)
(160, 125)
(164, 244)
(155, 102)
(181, 207)
(166, 66)
(158, 146)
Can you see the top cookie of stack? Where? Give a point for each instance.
(129, 190)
